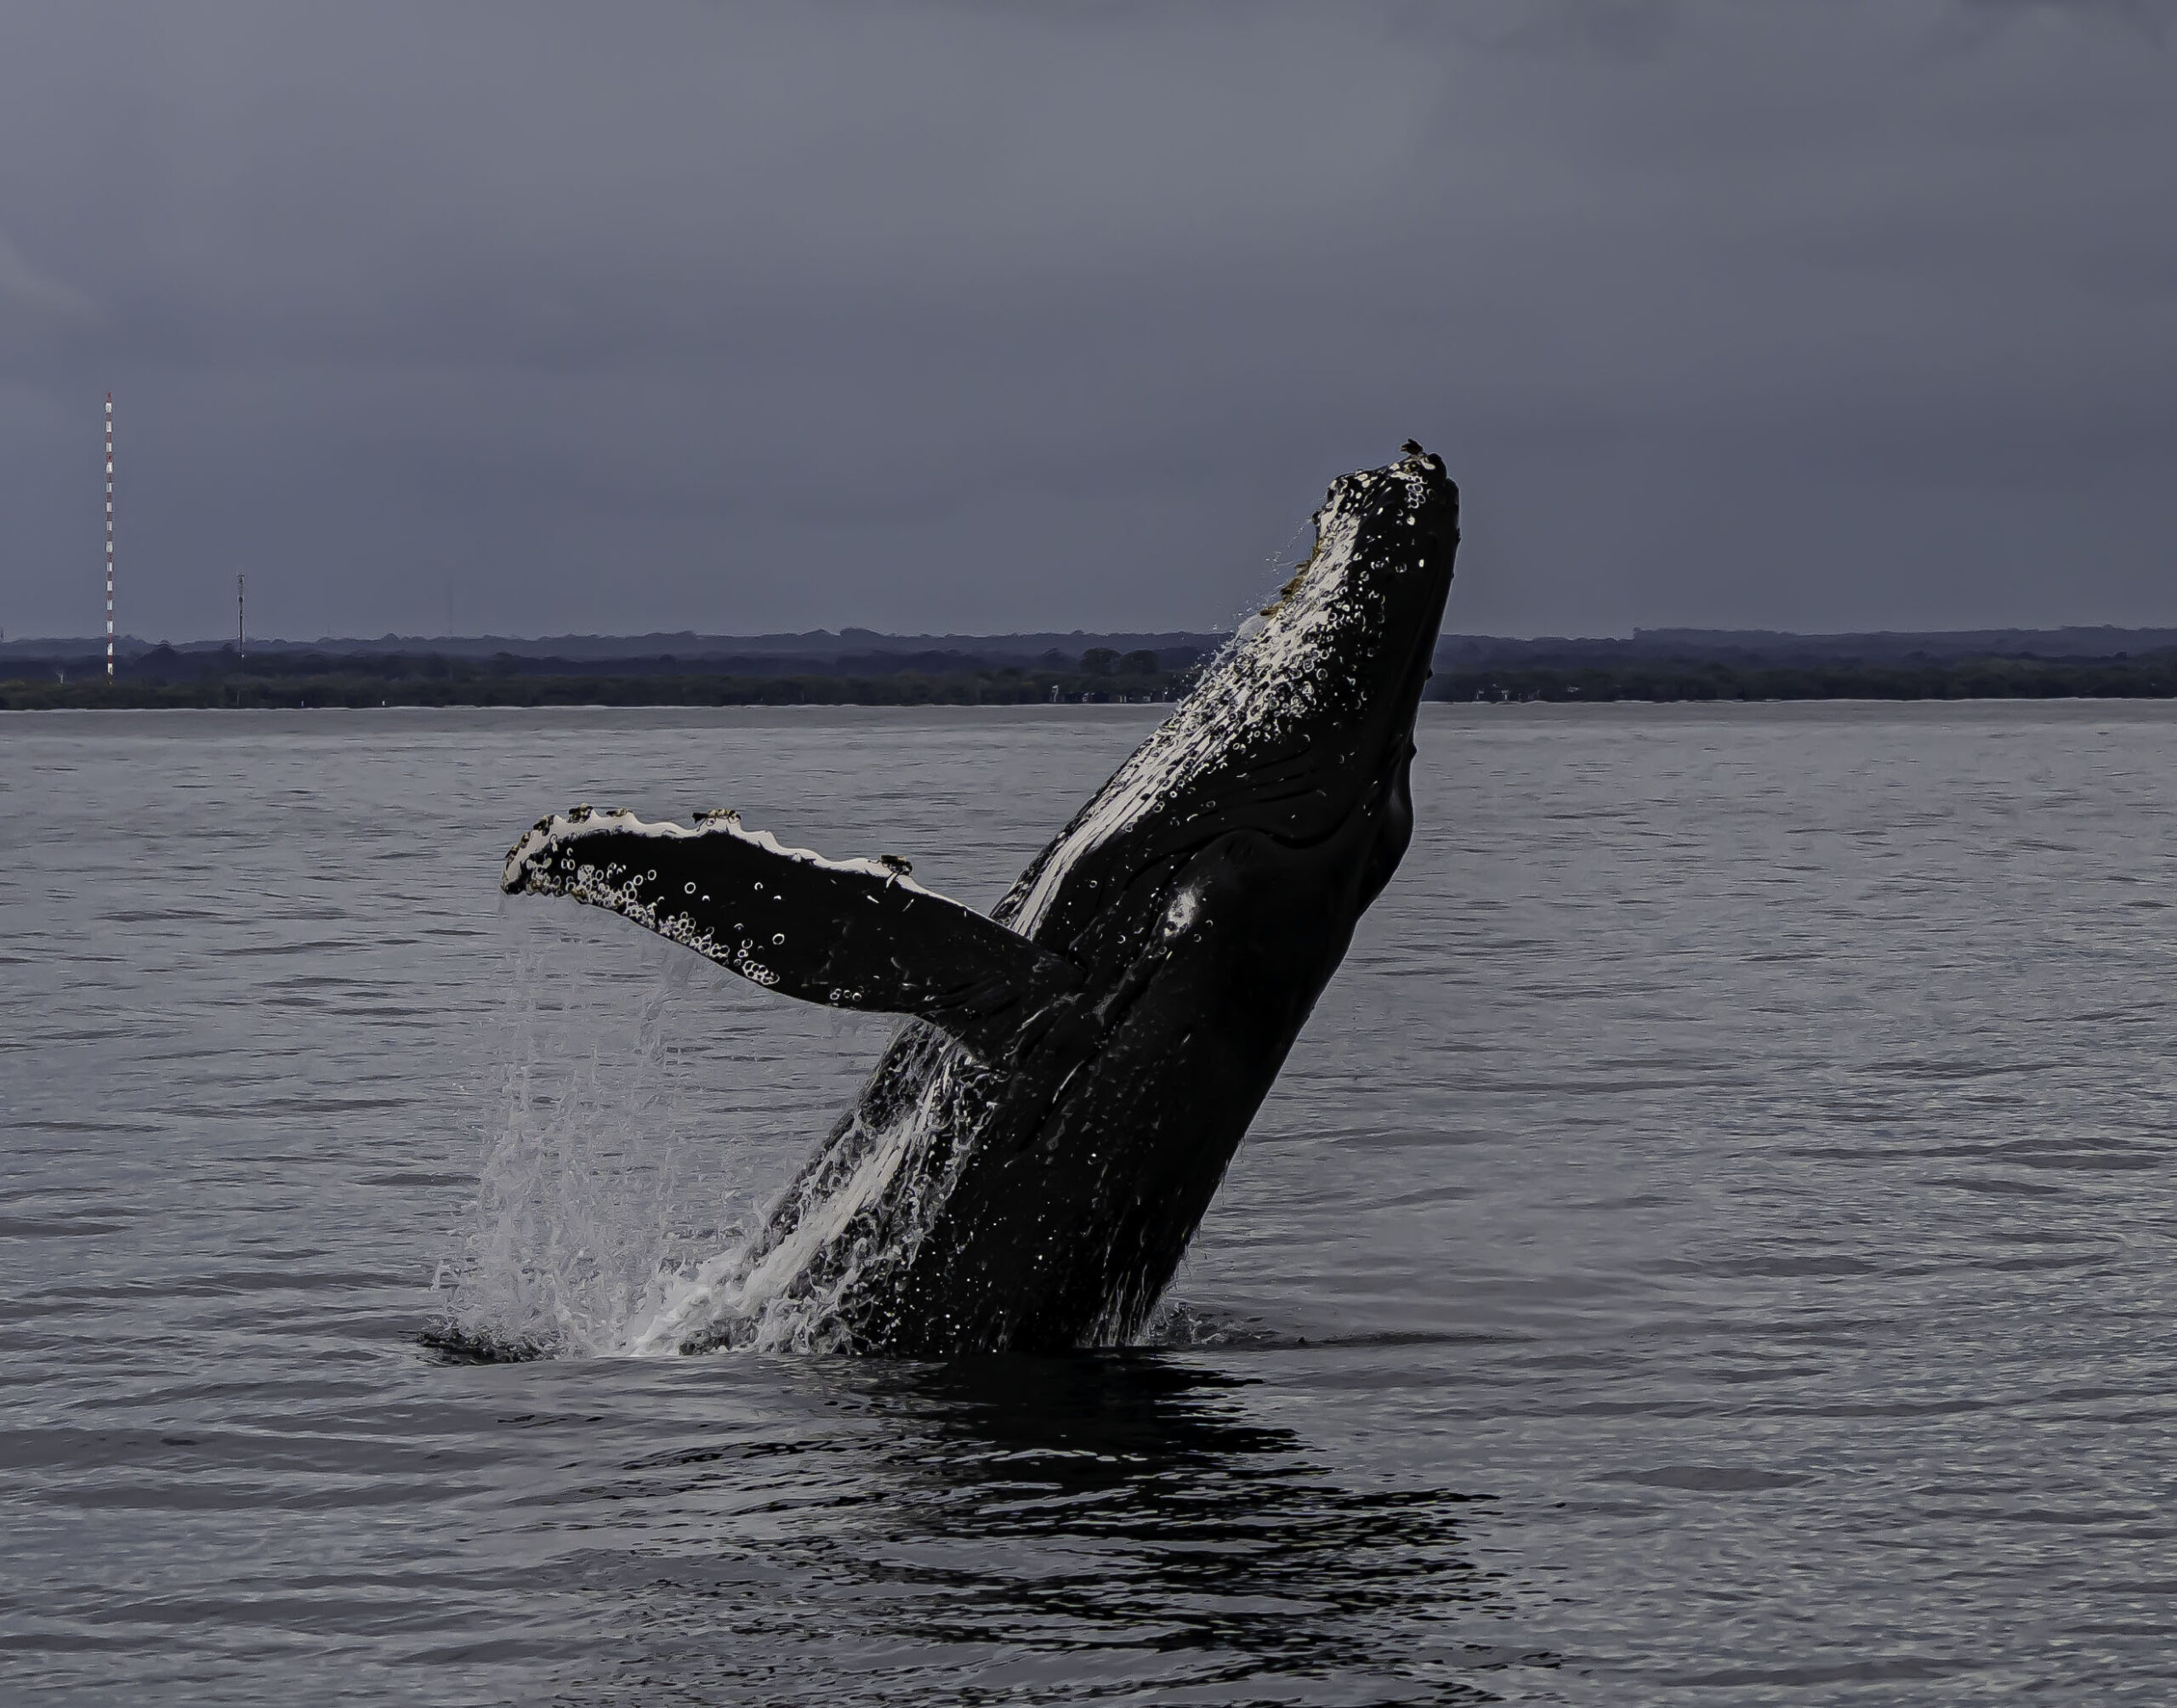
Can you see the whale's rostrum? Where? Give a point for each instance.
(1027, 1163)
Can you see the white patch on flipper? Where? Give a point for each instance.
(544, 838)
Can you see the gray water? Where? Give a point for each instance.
(1713, 1243)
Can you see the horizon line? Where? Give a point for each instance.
(1175, 635)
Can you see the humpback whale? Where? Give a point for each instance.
(1036, 1146)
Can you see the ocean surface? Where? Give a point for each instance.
(1712, 1244)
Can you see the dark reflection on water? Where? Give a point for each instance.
(1101, 1525)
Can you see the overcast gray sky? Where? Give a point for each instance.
(1816, 314)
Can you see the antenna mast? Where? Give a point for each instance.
(238, 647)
(109, 537)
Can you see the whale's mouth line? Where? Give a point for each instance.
(1293, 842)
(1337, 814)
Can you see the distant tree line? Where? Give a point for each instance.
(164, 677)
(2150, 676)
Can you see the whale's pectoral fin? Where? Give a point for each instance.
(850, 933)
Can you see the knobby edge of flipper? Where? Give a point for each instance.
(527, 871)
(853, 934)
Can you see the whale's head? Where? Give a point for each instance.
(1301, 728)
(1328, 679)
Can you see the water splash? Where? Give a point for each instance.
(860, 1209)
(613, 1219)
(598, 1193)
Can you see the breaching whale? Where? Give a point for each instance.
(1025, 1166)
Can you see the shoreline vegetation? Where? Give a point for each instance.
(294, 676)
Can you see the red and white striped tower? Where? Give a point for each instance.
(109, 537)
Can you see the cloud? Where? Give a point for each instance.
(955, 316)
(24, 288)
(2152, 20)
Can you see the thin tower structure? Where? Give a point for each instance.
(109, 537)
(239, 652)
